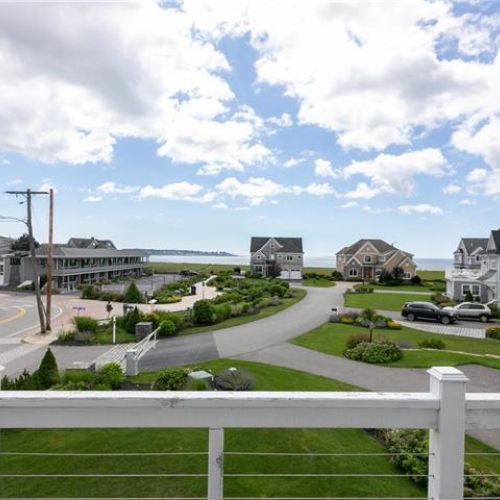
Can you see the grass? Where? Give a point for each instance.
(430, 275)
(299, 294)
(319, 282)
(402, 288)
(330, 338)
(382, 301)
(176, 440)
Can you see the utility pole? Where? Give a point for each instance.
(28, 195)
(50, 262)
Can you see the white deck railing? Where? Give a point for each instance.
(446, 410)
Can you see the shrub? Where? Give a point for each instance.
(89, 292)
(234, 380)
(167, 328)
(25, 382)
(172, 379)
(336, 275)
(347, 320)
(176, 319)
(416, 280)
(131, 319)
(203, 312)
(111, 375)
(493, 332)
(85, 324)
(48, 373)
(222, 312)
(432, 344)
(375, 352)
(356, 339)
(83, 379)
(277, 290)
(363, 289)
(393, 325)
(439, 298)
(132, 294)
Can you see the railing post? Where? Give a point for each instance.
(131, 363)
(215, 464)
(447, 441)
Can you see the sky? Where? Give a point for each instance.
(196, 124)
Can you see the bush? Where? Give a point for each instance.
(25, 382)
(167, 328)
(416, 280)
(277, 290)
(89, 292)
(393, 325)
(363, 289)
(346, 320)
(132, 294)
(432, 344)
(85, 324)
(356, 339)
(48, 373)
(336, 275)
(234, 380)
(83, 379)
(176, 319)
(203, 312)
(375, 352)
(222, 312)
(440, 299)
(172, 379)
(409, 448)
(493, 332)
(111, 375)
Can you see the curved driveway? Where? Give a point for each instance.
(310, 312)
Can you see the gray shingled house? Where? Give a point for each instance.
(269, 250)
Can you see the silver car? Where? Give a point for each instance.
(471, 310)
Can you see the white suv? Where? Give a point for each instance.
(472, 310)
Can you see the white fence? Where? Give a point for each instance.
(446, 410)
(133, 355)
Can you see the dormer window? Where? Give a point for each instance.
(368, 259)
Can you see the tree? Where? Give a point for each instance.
(131, 319)
(48, 373)
(22, 244)
(132, 294)
(369, 315)
(273, 270)
(167, 328)
(469, 297)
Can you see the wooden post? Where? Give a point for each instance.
(216, 464)
(50, 262)
(447, 441)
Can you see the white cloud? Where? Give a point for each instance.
(259, 189)
(221, 205)
(324, 168)
(395, 173)
(285, 120)
(47, 185)
(14, 182)
(467, 201)
(113, 188)
(452, 189)
(93, 199)
(423, 208)
(384, 76)
(349, 204)
(115, 70)
(180, 191)
(293, 162)
(363, 191)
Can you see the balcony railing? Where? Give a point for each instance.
(446, 410)
(468, 274)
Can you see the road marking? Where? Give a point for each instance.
(59, 312)
(20, 314)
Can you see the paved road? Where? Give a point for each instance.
(310, 312)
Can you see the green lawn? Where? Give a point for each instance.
(177, 440)
(299, 294)
(330, 338)
(430, 275)
(403, 288)
(382, 301)
(319, 282)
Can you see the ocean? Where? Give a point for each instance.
(309, 261)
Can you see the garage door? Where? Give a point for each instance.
(291, 275)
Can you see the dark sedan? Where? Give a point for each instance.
(427, 311)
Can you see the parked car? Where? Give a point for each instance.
(471, 310)
(427, 310)
(187, 272)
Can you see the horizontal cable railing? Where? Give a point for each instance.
(445, 410)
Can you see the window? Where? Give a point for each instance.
(407, 276)
(257, 269)
(259, 257)
(289, 257)
(382, 258)
(353, 273)
(478, 258)
(368, 259)
(473, 289)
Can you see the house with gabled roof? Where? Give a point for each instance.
(476, 269)
(287, 253)
(89, 243)
(367, 259)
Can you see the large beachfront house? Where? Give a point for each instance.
(80, 261)
(368, 258)
(476, 269)
(287, 253)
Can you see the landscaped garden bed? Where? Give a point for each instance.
(419, 349)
